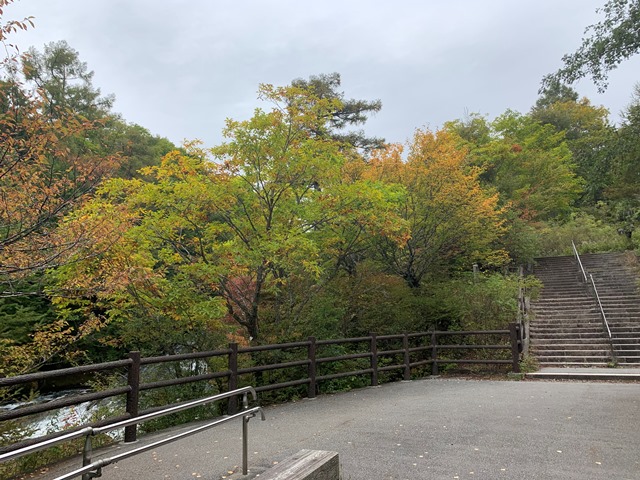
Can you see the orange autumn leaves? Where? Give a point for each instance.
(450, 216)
(46, 170)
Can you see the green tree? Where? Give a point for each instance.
(589, 136)
(135, 145)
(66, 85)
(344, 114)
(555, 92)
(530, 165)
(294, 214)
(65, 81)
(623, 193)
(606, 45)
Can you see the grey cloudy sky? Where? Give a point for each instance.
(180, 68)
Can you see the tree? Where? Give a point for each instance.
(529, 164)
(40, 181)
(295, 216)
(608, 43)
(65, 85)
(555, 92)
(64, 81)
(623, 191)
(589, 136)
(452, 219)
(626, 168)
(151, 274)
(345, 112)
(243, 231)
(49, 165)
(135, 145)
(41, 177)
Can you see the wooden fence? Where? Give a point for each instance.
(314, 362)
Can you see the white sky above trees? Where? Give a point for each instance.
(180, 68)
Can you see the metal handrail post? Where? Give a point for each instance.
(87, 452)
(245, 435)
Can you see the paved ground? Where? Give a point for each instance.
(426, 429)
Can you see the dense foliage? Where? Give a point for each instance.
(113, 239)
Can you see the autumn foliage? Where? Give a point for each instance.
(452, 219)
(292, 226)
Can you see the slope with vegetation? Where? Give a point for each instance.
(113, 239)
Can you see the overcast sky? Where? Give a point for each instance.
(180, 68)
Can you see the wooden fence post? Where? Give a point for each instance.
(434, 353)
(311, 355)
(133, 396)
(374, 359)
(407, 357)
(232, 406)
(515, 350)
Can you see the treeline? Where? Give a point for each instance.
(113, 239)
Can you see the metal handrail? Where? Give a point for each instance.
(88, 467)
(604, 318)
(597, 297)
(575, 253)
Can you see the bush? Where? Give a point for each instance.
(487, 301)
(589, 234)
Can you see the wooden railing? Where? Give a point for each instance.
(311, 363)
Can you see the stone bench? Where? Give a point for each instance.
(306, 465)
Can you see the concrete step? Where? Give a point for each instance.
(592, 373)
(628, 357)
(603, 363)
(558, 317)
(632, 362)
(563, 307)
(624, 329)
(569, 330)
(597, 341)
(584, 349)
(602, 358)
(573, 353)
(564, 336)
(626, 341)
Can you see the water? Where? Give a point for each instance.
(60, 419)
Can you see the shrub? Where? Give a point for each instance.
(589, 234)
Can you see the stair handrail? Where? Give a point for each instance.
(577, 255)
(604, 318)
(597, 297)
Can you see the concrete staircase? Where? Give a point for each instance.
(616, 276)
(567, 328)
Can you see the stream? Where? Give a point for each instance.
(55, 420)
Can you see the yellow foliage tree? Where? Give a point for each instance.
(452, 219)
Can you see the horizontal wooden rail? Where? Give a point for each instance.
(296, 364)
(62, 372)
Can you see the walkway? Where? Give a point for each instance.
(426, 429)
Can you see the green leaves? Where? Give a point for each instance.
(611, 41)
